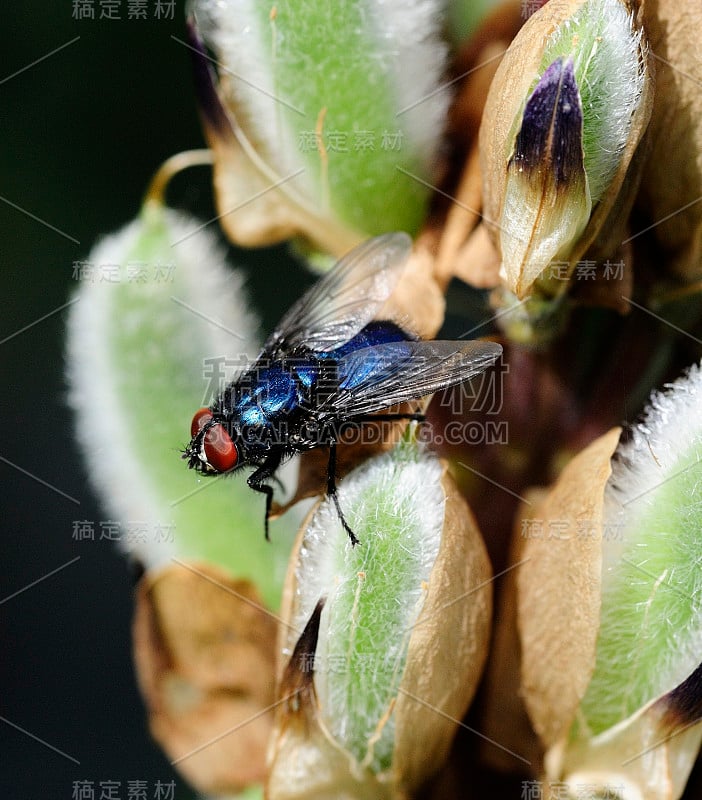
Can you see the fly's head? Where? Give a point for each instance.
(212, 449)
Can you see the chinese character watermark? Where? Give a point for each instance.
(130, 532)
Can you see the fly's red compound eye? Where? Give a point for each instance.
(220, 450)
(201, 418)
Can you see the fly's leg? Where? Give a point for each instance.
(255, 481)
(264, 488)
(331, 491)
(331, 468)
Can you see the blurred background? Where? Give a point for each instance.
(94, 96)
(91, 106)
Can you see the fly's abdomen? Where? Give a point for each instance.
(374, 333)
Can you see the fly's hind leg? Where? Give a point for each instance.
(331, 491)
(256, 482)
(331, 468)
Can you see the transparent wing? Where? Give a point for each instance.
(381, 376)
(345, 299)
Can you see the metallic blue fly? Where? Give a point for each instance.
(328, 366)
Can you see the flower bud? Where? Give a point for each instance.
(672, 173)
(564, 116)
(322, 124)
(609, 607)
(159, 326)
(401, 624)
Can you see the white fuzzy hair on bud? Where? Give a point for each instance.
(374, 592)
(651, 631)
(408, 51)
(120, 458)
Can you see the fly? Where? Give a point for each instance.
(328, 366)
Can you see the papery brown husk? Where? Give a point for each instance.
(275, 214)
(418, 303)
(559, 591)
(446, 654)
(645, 754)
(306, 764)
(474, 69)
(256, 206)
(447, 649)
(204, 649)
(505, 719)
(457, 205)
(672, 177)
(477, 263)
(507, 96)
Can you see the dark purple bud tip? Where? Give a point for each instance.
(299, 673)
(205, 82)
(684, 703)
(552, 126)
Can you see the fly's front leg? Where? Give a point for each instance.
(264, 488)
(255, 481)
(331, 491)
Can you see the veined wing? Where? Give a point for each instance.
(345, 299)
(384, 375)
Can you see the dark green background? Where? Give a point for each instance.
(82, 132)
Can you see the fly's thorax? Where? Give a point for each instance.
(274, 391)
(280, 387)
